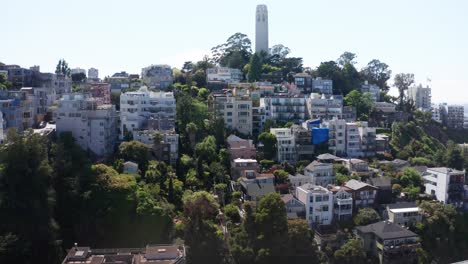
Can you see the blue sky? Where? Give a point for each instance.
(426, 37)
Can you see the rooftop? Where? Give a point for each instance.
(356, 185)
(308, 187)
(386, 230)
(327, 156)
(445, 170)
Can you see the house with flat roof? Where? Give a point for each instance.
(446, 185)
(318, 203)
(255, 185)
(404, 213)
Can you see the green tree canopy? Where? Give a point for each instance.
(366, 216)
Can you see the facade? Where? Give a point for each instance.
(322, 86)
(157, 76)
(303, 82)
(93, 125)
(294, 208)
(118, 83)
(357, 166)
(446, 185)
(337, 135)
(227, 75)
(254, 186)
(130, 167)
(371, 89)
(421, 97)
(93, 73)
(360, 140)
(151, 254)
(321, 106)
(261, 29)
(239, 166)
(285, 144)
(455, 116)
(389, 242)
(285, 108)
(77, 71)
(298, 180)
(61, 84)
(364, 195)
(101, 91)
(318, 203)
(166, 149)
(321, 173)
(241, 148)
(237, 113)
(144, 109)
(342, 203)
(12, 114)
(404, 214)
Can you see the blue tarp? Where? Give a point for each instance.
(319, 135)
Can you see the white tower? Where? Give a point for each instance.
(261, 29)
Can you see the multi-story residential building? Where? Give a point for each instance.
(322, 86)
(421, 97)
(438, 113)
(455, 116)
(285, 108)
(298, 180)
(371, 89)
(239, 166)
(241, 148)
(157, 76)
(404, 213)
(303, 82)
(223, 74)
(101, 91)
(254, 186)
(93, 73)
(364, 195)
(360, 140)
(357, 166)
(167, 254)
(446, 185)
(318, 203)
(118, 83)
(35, 102)
(294, 207)
(285, 144)
(237, 114)
(305, 143)
(144, 109)
(77, 71)
(62, 84)
(93, 125)
(165, 149)
(12, 113)
(337, 135)
(342, 203)
(389, 242)
(321, 173)
(320, 106)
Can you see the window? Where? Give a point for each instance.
(318, 198)
(325, 208)
(229, 113)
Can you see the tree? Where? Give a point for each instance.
(78, 77)
(366, 216)
(206, 150)
(187, 67)
(281, 176)
(362, 103)
(345, 58)
(279, 50)
(402, 82)
(4, 83)
(454, 156)
(410, 178)
(378, 73)
(255, 71)
(135, 151)
(191, 129)
(232, 213)
(62, 68)
(350, 253)
(235, 53)
(302, 247)
(331, 70)
(269, 144)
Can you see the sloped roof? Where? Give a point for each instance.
(386, 230)
(233, 138)
(356, 185)
(327, 156)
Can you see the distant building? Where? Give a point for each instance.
(77, 71)
(421, 97)
(101, 91)
(321, 173)
(298, 180)
(372, 89)
(294, 208)
(166, 149)
(92, 125)
(318, 203)
(321, 106)
(223, 74)
(93, 73)
(446, 185)
(12, 114)
(337, 136)
(239, 166)
(303, 82)
(285, 108)
(144, 109)
(364, 195)
(130, 167)
(342, 203)
(455, 116)
(241, 148)
(255, 186)
(167, 254)
(237, 112)
(404, 213)
(322, 86)
(285, 144)
(157, 76)
(389, 242)
(261, 29)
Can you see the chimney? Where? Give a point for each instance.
(76, 246)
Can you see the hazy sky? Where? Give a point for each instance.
(426, 37)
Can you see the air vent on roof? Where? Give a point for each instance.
(161, 250)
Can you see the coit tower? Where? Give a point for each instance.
(261, 29)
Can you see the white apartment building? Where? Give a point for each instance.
(223, 74)
(61, 84)
(237, 114)
(342, 203)
(320, 173)
(371, 89)
(144, 109)
(337, 135)
(285, 144)
(320, 106)
(446, 185)
(404, 214)
(92, 125)
(157, 76)
(284, 108)
(318, 203)
(438, 113)
(421, 96)
(360, 140)
(93, 73)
